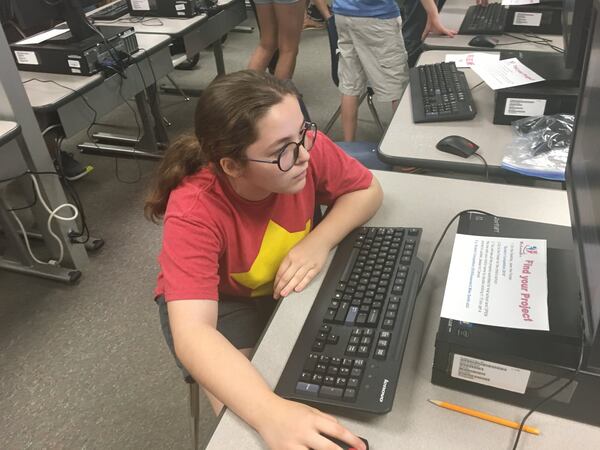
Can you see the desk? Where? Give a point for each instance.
(413, 423)
(197, 32)
(410, 144)
(64, 104)
(14, 255)
(452, 16)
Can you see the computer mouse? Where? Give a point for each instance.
(343, 445)
(482, 41)
(457, 145)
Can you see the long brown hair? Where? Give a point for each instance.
(224, 126)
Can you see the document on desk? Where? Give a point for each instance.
(43, 37)
(498, 281)
(506, 73)
(471, 59)
(519, 2)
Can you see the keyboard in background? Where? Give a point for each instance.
(480, 19)
(350, 349)
(440, 93)
(111, 12)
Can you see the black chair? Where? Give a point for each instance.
(334, 52)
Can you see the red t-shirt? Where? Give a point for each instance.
(215, 241)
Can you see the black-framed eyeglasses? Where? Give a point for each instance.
(288, 154)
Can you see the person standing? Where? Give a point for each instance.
(280, 23)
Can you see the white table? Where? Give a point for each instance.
(413, 423)
(413, 144)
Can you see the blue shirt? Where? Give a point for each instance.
(382, 9)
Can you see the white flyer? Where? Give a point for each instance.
(519, 2)
(472, 59)
(506, 73)
(498, 281)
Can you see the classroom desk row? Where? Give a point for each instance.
(75, 102)
(427, 202)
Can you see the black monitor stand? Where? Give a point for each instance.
(80, 28)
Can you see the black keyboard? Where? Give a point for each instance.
(112, 11)
(440, 93)
(350, 349)
(480, 19)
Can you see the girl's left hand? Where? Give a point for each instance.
(299, 267)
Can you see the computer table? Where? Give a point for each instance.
(62, 103)
(197, 32)
(452, 16)
(413, 423)
(409, 144)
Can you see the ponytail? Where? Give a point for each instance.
(184, 157)
(224, 126)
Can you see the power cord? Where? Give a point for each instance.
(435, 249)
(539, 40)
(559, 390)
(485, 165)
(53, 214)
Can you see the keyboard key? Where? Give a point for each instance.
(305, 376)
(332, 370)
(328, 380)
(331, 392)
(380, 353)
(307, 388)
(353, 382)
(350, 394)
(318, 346)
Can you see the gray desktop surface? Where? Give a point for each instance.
(452, 16)
(8, 131)
(413, 144)
(102, 93)
(46, 95)
(413, 423)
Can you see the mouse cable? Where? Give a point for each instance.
(560, 389)
(437, 245)
(485, 164)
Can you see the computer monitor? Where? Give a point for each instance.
(583, 182)
(576, 21)
(35, 14)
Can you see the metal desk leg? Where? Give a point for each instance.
(218, 52)
(25, 263)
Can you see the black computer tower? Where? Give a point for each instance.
(517, 366)
(63, 54)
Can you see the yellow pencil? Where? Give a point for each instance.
(484, 416)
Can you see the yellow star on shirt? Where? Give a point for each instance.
(276, 243)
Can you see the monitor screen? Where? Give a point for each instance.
(583, 179)
(576, 19)
(39, 14)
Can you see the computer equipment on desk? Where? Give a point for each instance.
(345, 446)
(440, 92)
(543, 18)
(111, 12)
(566, 357)
(481, 19)
(483, 41)
(457, 145)
(166, 8)
(82, 49)
(350, 348)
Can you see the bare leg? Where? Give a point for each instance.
(216, 404)
(289, 27)
(268, 38)
(349, 116)
(322, 7)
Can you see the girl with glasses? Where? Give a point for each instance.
(237, 203)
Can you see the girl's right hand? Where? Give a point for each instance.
(294, 426)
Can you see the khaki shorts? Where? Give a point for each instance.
(372, 54)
